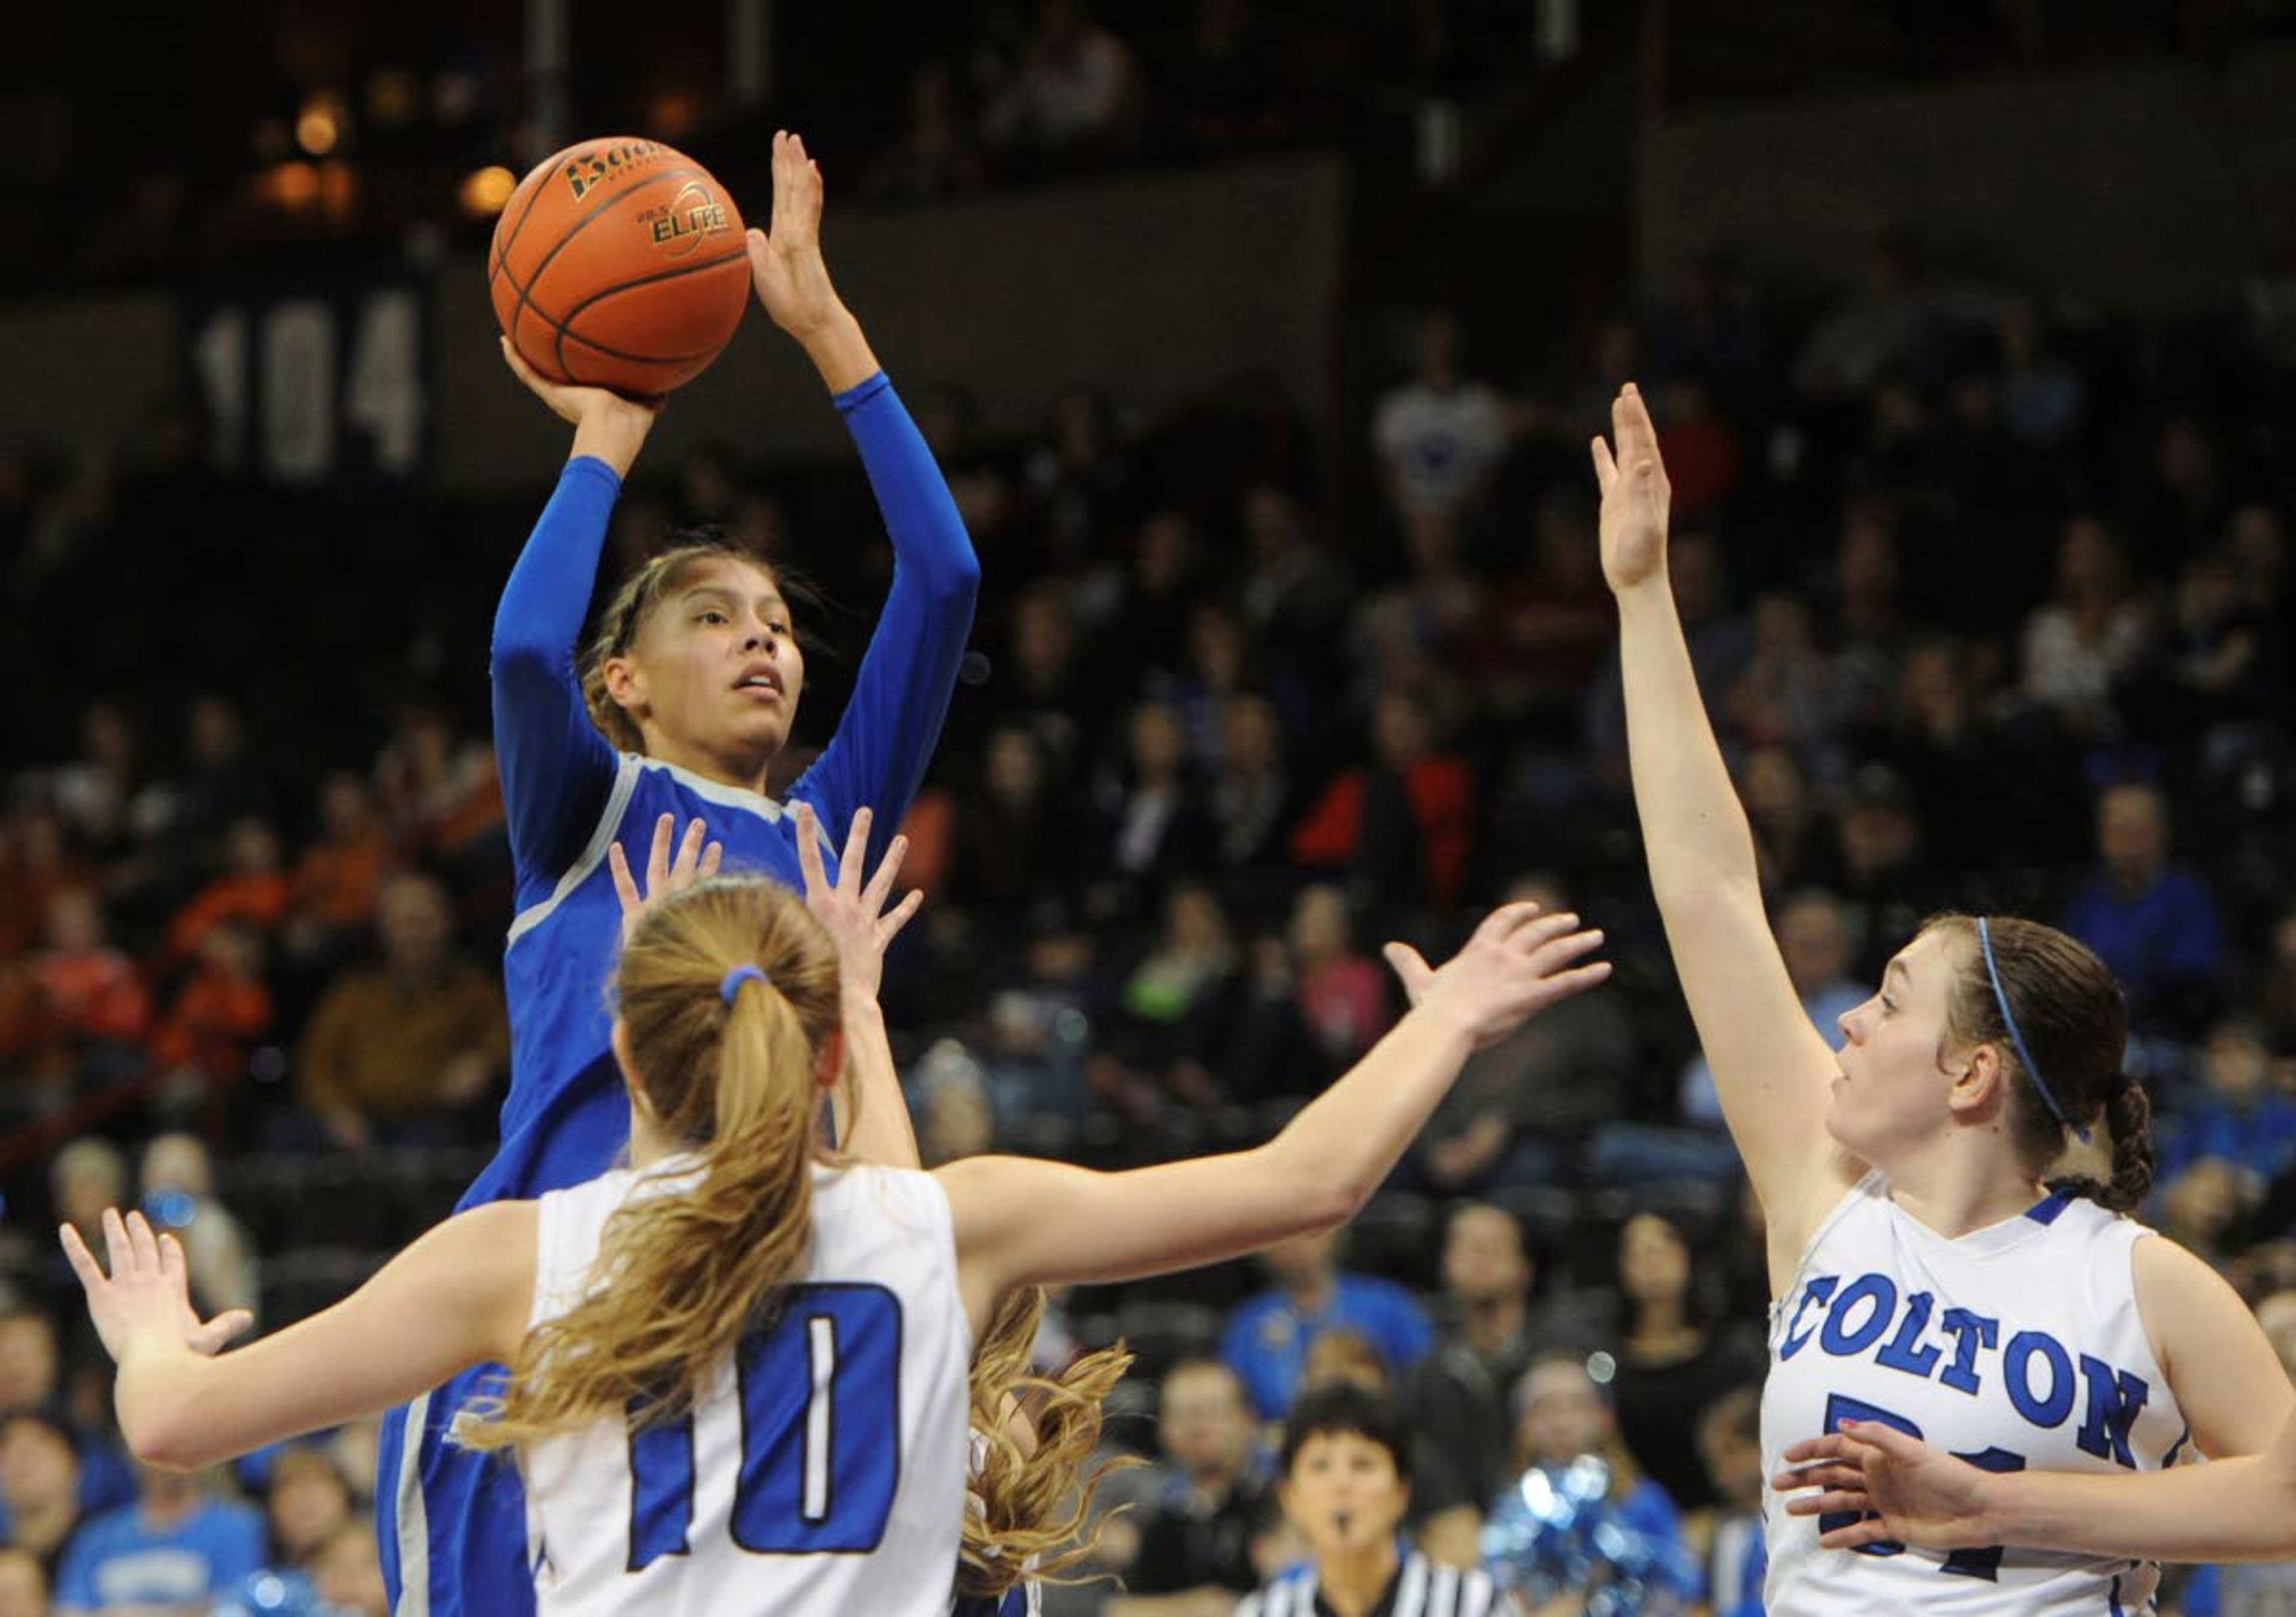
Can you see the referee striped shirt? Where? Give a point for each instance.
(1421, 1589)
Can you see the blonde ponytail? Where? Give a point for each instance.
(726, 1059)
(1029, 1502)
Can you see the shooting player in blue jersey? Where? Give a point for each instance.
(678, 706)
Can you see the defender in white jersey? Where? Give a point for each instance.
(785, 1393)
(1922, 1275)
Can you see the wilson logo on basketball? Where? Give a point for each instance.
(588, 169)
(691, 215)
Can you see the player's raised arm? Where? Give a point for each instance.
(556, 767)
(1020, 1222)
(901, 693)
(872, 1113)
(1770, 1066)
(458, 1297)
(2240, 1509)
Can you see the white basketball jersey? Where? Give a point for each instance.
(821, 1473)
(2017, 1346)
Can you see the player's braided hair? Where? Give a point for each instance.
(681, 1278)
(2075, 1022)
(1028, 1503)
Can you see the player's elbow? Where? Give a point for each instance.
(159, 1434)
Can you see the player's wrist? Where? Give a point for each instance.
(838, 349)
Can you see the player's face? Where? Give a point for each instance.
(1894, 1088)
(716, 672)
(1342, 1493)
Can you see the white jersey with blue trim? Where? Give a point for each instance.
(2016, 1346)
(822, 1471)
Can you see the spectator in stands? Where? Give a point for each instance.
(1726, 1537)
(217, 1014)
(1345, 1486)
(93, 1005)
(305, 1504)
(1438, 435)
(1814, 938)
(1522, 1107)
(1787, 694)
(2087, 635)
(178, 1546)
(1790, 837)
(1252, 799)
(338, 881)
(1938, 738)
(1886, 887)
(1079, 482)
(1074, 95)
(347, 1572)
(1152, 825)
(1295, 597)
(397, 1048)
(178, 1186)
(1399, 829)
(221, 782)
(1674, 1357)
(2238, 1115)
(1182, 1002)
(40, 1486)
(23, 1584)
(96, 792)
(1457, 1396)
(1195, 1541)
(1341, 994)
(1608, 1525)
(2154, 924)
(935, 155)
(253, 889)
(37, 862)
(1016, 833)
(1143, 636)
(1229, 90)
(2043, 398)
(1268, 1337)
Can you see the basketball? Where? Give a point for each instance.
(618, 263)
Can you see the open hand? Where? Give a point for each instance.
(665, 874)
(1635, 495)
(785, 262)
(1918, 1494)
(1517, 964)
(853, 914)
(148, 1290)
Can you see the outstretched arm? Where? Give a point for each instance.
(900, 696)
(556, 767)
(1771, 1068)
(2227, 1510)
(459, 1296)
(1023, 1222)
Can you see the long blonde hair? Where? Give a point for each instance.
(680, 1278)
(1028, 1503)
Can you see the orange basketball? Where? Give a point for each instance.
(619, 263)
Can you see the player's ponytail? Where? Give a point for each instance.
(2129, 1119)
(1029, 1499)
(728, 994)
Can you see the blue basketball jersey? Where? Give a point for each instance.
(451, 1524)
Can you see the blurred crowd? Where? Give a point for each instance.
(1990, 601)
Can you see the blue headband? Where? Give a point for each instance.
(1993, 975)
(739, 975)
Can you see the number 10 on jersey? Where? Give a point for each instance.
(819, 1396)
